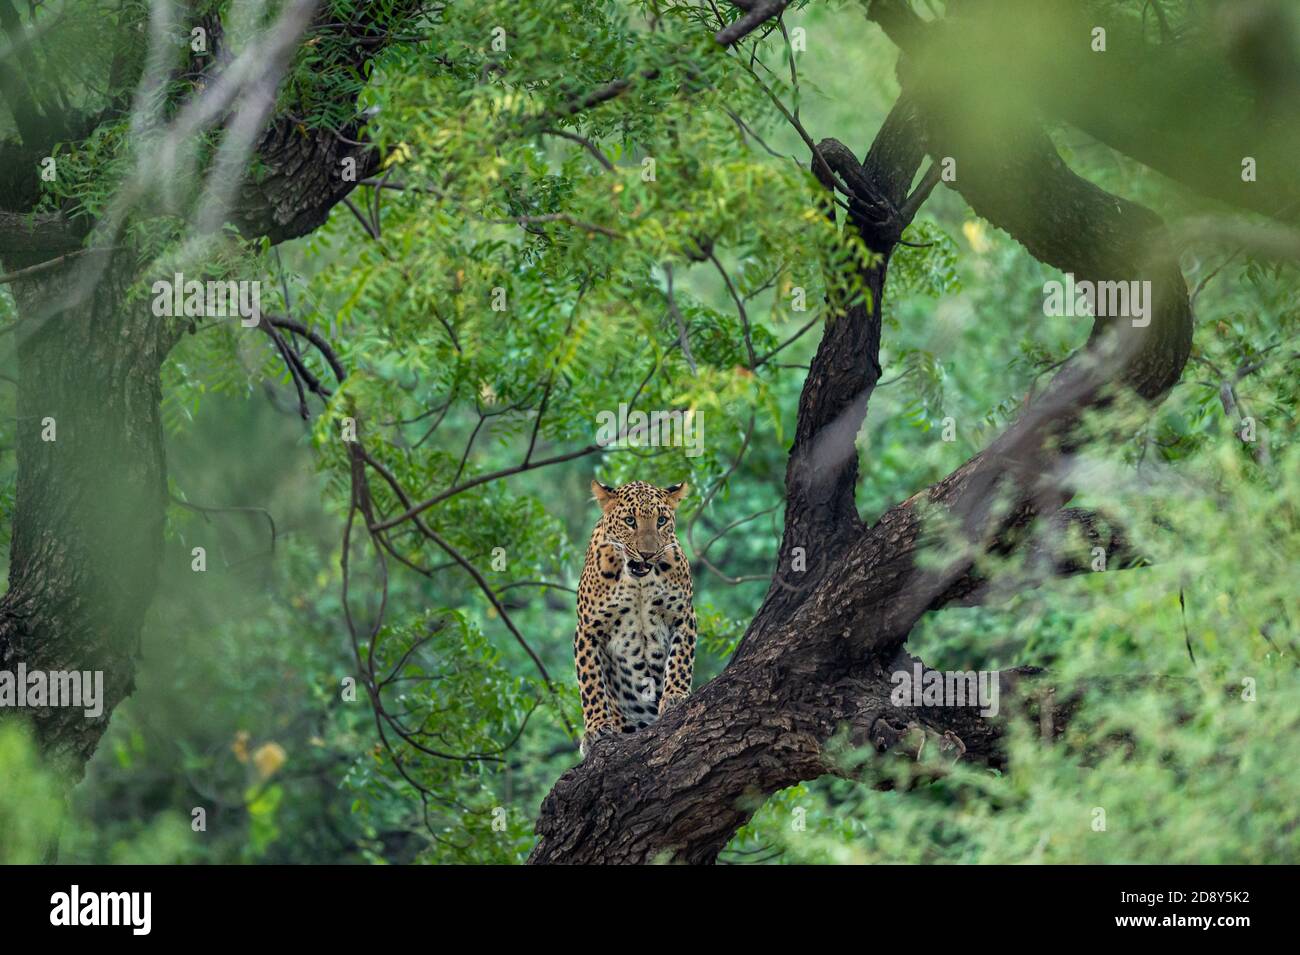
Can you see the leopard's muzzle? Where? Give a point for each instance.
(639, 568)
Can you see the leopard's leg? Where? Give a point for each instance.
(680, 665)
(600, 715)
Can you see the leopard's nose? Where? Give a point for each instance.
(646, 556)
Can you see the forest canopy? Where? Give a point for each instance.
(322, 530)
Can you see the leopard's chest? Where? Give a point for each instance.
(637, 648)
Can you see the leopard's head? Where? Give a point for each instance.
(641, 518)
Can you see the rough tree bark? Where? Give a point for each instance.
(91, 495)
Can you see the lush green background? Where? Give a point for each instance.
(240, 706)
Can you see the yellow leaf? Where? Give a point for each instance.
(268, 758)
(400, 154)
(974, 232)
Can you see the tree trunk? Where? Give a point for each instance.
(90, 504)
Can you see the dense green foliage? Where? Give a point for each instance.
(519, 278)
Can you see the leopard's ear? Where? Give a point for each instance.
(676, 492)
(603, 493)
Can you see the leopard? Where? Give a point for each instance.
(634, 648)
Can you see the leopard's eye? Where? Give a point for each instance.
(662, 520)
(631, 521)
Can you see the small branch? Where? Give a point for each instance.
(206, 510)
(365, 223)
(917, 198)
(740, 308)
(558, 217)
(789, 341)
(582, 141)
(759, 12)
(681, 322)
(48, 264)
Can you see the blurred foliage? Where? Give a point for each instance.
(251, 704)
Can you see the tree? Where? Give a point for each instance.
(818, 653)
(90, 503)
(523, 275)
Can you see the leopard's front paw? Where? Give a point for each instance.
(669, 700)
(594, 735)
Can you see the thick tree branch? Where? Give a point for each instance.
(31, 235)
(822, 470)
(1069, 542)
(1193, 109)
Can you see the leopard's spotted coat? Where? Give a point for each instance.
(635, 645)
